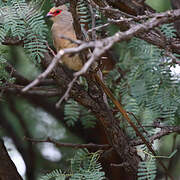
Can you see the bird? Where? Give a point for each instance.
(63, 26)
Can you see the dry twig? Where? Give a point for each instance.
(59, 144)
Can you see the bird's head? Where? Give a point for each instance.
(56, 12)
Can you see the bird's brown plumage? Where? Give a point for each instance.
(63, 25)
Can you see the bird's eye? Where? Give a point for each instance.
(57, 11)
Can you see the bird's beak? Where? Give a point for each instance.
(48, 15)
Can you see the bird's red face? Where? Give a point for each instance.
(54, 12)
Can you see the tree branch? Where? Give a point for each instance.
(101, 46)
(163, 132)
(59, 144)
(39, 91)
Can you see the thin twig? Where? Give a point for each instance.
(165, 130)
(59, 144)
(98, 28)
(139, 123)
(93, 22)
(66, 95)
(174, 59)
(46, 72)
(50, 50)
(98, 51)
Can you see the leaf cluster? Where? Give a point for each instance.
(74, 112)
(84, 165)
(24, 22)
(147, 89)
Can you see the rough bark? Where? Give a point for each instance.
(176, 5)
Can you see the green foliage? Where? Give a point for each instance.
(74, 112)
(147, 89)
(71, 112)
(147, 169)
(84, 13)
(149, 85)
(84, 165)
(56, 175)
(168, 30)
(23, 21)
(2, 33)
